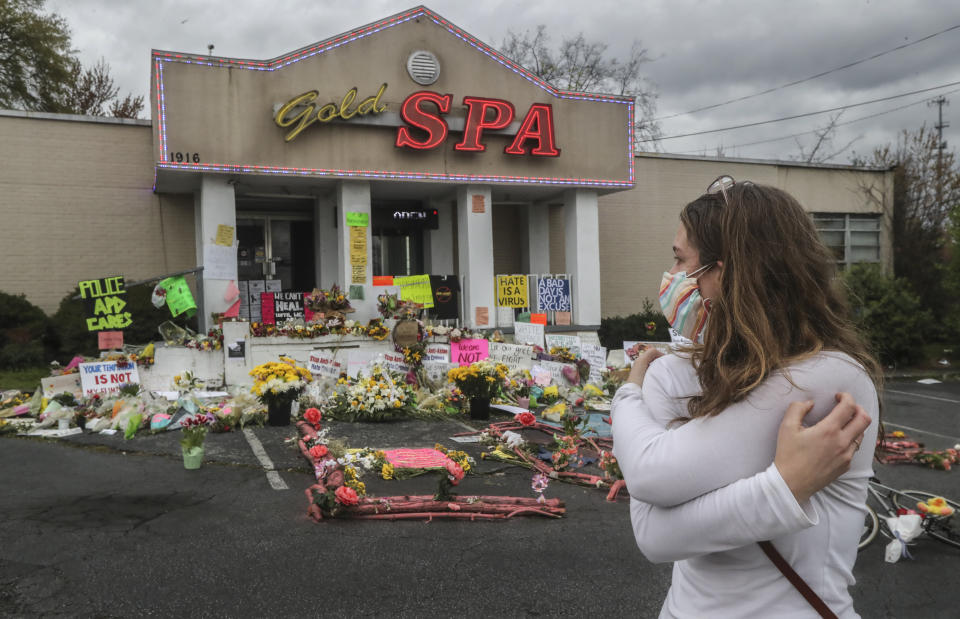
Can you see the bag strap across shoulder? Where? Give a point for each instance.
(799, 583)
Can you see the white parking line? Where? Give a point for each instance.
(273, 477)
(929, 397)
(896, 425)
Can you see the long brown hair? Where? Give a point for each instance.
(780, 300)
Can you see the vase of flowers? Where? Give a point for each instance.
(278, 384)
(479, 382)
(329, 304)
(194, 431)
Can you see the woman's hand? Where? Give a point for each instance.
(640, 365)
(811, 458)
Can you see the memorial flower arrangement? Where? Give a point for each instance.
(481, 379)
(193, 432)
(562, 354)
(375, 398)
(279, 381)
(322, 301)
(392, 306)
(609, 465)
(457, 466)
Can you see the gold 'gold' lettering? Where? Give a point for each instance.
(288, 116)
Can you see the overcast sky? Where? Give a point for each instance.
(704, 52)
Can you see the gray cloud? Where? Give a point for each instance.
(705, 52)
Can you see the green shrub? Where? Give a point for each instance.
(75, 339)
(27, 337)
(618, 329)
(888, 313)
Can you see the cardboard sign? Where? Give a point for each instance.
(415, 288)
(436, 371)
(504, 316)
(179, 298)
(103, 300)
(571, 342)
(596, 356)
(324, 364)
(553, 295)
(358, 219)
(437, 352)
(512, 291)
(538, 319)
(279, 307)
(512, 355)
(106, 377)
(219, 262)
(69, 383)
(466, 352)
(395, 362)
(556, 371)
(483, 316)
(406, 333)
(528, 333)
(110, 340)
(561, 318)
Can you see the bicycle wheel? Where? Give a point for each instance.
(943, 528)
(871, 526)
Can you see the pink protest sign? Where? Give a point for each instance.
(466, 352)
(110, 340)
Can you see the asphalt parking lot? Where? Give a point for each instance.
(98, 526)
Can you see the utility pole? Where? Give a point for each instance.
(941, 144)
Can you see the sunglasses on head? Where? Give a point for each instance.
(722, 184)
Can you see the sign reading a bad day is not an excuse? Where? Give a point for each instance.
(104, 303)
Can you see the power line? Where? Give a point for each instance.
(847, 122)
(804, 115)
(812, 77)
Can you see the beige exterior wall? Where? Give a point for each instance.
(637, 226)
(77, 202)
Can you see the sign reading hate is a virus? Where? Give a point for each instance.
(104, 303)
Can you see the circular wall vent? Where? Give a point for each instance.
(423, 67)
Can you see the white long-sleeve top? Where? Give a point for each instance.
(702, 493)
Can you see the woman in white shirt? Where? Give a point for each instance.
(712, 462)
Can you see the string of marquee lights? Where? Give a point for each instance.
(387, 174)
(359, 33)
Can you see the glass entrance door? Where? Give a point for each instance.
(276, 247)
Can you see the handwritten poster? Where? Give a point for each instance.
(104, 303)
(279, 307)
(596, 356)
(219, 262)
(466, 352)
(528, 333)
(512, 355)
(512, 291)
(358, 219)
(107, 376)
(571, 342)
(553, 295)
(224, 235)
(556, 371)
(110, 340)
(358, 254)
(482, 316)
(415, 288)
(436, 371)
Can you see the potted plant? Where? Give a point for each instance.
(278, 384)
(479, 382)
(191, 445)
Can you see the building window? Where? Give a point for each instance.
(853, 237)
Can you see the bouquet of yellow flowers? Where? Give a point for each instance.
(482, 379)
(279, 381)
